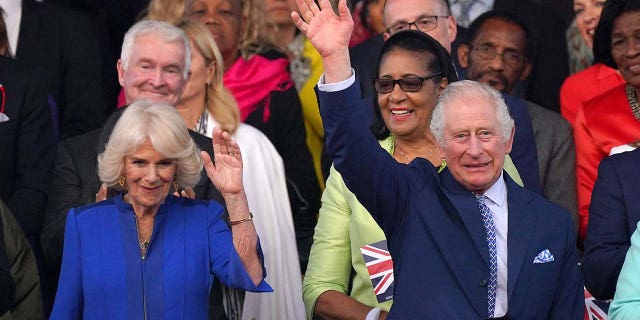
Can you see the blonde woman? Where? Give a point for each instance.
(206, 105)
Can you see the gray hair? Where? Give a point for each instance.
(159, 124)
(469, 90)
(165, 31)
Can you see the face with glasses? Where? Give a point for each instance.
(428, 16)
(407, 92)
(496, 55)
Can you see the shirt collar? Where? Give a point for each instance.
(10, 6)
(497, 193)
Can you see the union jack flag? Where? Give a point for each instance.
(595, 309)
(380, 267)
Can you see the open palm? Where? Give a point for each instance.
(226, 172)
(327, 31)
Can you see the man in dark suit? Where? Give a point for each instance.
(496, 50)
(548, 40)
(154, 65)
(61, 48)
(467, 243)
(27, 146)
(397, 12)
(613, 216)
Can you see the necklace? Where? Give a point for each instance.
(409, 159)
(142, 243)
(633, 101)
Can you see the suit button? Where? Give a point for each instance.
(483, 283)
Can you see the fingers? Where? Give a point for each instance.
(303, 26)
(343, 10)
(186, 193)
(207, 163)
(102, 193)
(223, 144)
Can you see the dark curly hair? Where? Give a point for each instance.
(602, 37)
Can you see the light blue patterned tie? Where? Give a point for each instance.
(490, 228)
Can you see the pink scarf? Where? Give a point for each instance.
(252, 81)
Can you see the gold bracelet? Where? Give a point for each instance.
(237, 222)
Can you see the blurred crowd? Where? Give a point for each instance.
(567, 71)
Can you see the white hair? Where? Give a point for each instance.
(163, 127)
(471, 91)
(165, 31)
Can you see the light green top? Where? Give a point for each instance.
(344, 226)
(626, 302)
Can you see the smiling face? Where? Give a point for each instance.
(587, 17)
(224, 20)
(155, 70)
(499, 72)
(408, 114)
(625, 46)
(474, 147)
(149, 178)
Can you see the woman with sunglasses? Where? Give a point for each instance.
(412, 70)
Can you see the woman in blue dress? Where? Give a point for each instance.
(147, 254)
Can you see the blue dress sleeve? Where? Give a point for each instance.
(225, 262)
(69, 303)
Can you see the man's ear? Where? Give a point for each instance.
(526, 70)
(385, 35)
(463, 55)
(120, 69)
(444, 82)
(510, 141)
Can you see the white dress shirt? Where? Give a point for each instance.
(12, 17)
(497, 203)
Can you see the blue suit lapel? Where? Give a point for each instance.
(453, 238)
(467, 207)
(522, 226)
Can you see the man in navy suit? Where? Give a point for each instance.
(364, 60)
(613, 216)
(467, 243)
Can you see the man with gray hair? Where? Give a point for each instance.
(154, 62)
(468, 242)
(154, 65)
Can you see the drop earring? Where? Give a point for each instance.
(122, 181)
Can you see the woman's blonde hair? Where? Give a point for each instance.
(170, 11)
(218, 100)
(257, 37)
(159, 124)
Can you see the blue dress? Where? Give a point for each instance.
(104, 277)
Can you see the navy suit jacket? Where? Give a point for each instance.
(27, 146)
(524, 154)
(436, 234)
(613, 216)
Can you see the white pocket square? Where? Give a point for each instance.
(3, 117)
(544, 256)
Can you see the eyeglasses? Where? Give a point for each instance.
(425, 24)
(488, 52)
(407, 84)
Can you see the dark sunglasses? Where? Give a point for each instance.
(407, 84)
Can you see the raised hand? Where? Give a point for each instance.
(329, 33)
(226, 172)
